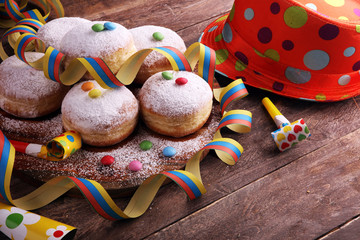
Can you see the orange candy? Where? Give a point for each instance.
(87, 86)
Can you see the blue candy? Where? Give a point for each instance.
(169, 151)
(110, 26)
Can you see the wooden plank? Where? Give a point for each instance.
(260, 158)
(176, 15)
(350, 230)
(326, 121)
(172, 14)
(300, 201)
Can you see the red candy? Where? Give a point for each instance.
(107, 160)
(181, 81)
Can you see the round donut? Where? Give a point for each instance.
(103, 117)
(154, 36)
(175, 103)
(26, 92)
(113, 46)
(53, 32)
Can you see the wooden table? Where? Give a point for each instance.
(311, 191)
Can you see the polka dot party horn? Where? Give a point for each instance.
(288, 134)
(301, 49)
(56, 149)
(17, 223)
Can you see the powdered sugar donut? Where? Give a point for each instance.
(113, 46)
(53, 32)
(26, 92)
(154, 36)
(175, 103)
(103, 117)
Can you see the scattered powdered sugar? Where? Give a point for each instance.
(143, 38)
(82, 41)
(86, 162)
(114, 106)
(165, 97)
(52, 32)
(20, 81)
(40, 130)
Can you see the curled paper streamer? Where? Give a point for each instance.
(17, 224)
(51, 62)
(56, 149)
(228, 150)
(11, 12)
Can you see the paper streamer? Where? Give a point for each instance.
(189, 180)
(11, 12)
(228, 150)
(56, 149)
(17, 224)
(51, 63)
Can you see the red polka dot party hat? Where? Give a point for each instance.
(301, 49)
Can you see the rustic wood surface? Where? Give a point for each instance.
(309, 192)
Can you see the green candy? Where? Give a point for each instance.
(158, 36)
(98, 27)
(146, 145)
(167, 75)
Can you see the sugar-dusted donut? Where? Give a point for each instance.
(175, 103)
(114, 45)
(116, 178)
(154, 36)
(26, 92)
(53, 31)
(103, 117)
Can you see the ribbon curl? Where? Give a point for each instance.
(228, 150)
(11, 13)
(189, 179)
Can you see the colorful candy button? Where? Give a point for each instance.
(146, 145)
(169, 151)
(110, 26)
(135, 166)
(95, 93)
(87, 86)
(167, 75)
(158, 36)
(107, 160)
(181, 81)
(97, 27)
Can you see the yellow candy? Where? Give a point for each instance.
(280, 137)
(95, 93)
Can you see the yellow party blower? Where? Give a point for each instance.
(17, 223)
(288, 134)
(57, 149)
